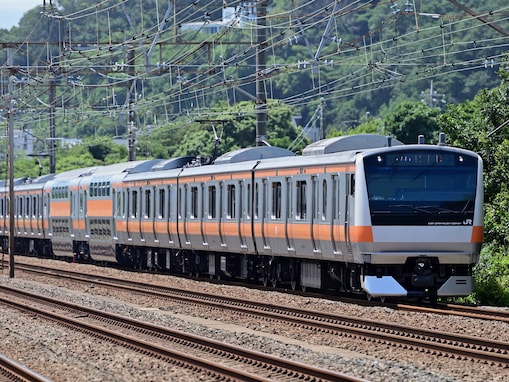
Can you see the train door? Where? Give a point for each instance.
(340, 231)
(36, 214)
(230, 219)
(263, 215)
(192, 215)
(171, 213)
(322, 221)
(127, 213)
(182, 215)
(300, 229)
(202, 214)
(246, 199)
(212, 216)
(82, 217)
(349, 184)
(133, 215)
(147, 216)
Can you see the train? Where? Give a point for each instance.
(362, 213)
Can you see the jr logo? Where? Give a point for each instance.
(467, 222)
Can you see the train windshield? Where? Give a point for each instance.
(417, 187)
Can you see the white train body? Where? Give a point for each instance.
(351, 213)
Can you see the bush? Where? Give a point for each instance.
(491, 276)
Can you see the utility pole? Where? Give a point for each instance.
(261, 62)
(131, 124)
(10, 170)
(52, 106)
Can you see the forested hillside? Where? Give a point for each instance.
(137, 61)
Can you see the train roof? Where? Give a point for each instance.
(349, 143)
(253, 153)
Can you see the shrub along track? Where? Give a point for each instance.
(415, 339)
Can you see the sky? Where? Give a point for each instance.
(11, 11)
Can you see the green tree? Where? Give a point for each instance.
(410, 119)
(482, 125)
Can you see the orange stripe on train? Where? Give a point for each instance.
(361, 234)
(477, 234)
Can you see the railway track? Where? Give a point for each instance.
(11, 370)
(214, 358)
(416, 339)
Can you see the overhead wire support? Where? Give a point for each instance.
(261, 63)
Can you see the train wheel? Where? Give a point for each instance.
(293, 284)
(265, 281)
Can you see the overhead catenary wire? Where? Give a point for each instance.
(221, 76)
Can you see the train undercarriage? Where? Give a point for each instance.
(269, 270)
(420, 277)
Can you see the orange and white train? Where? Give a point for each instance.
(354, 213)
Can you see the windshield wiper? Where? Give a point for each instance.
(431, 208)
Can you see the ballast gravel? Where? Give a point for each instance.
(64, 355)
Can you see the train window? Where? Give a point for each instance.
(28, 206)
(35, 210)
(116, 204)
(324, 199)
(134, 203)
(351, 185)
(148, 203)
(301, 199)
(314, 198)
(241, 191)
(170, 194)
(276, 200)
(180, 202)
(230, 201)
(212, 202)
(81, 204)
(249, 204)
(257, 201)
(162, 203)
(194, 203)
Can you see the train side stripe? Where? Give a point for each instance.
(361, 234)
(477, 234)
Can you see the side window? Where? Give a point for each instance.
(148, 204)
(324, 199)
(351, 184)
(230, 201)
(249, 199)
(134, 204)
(256, 201)
(162, 203)
(180, 200)
(276, 200)
(314, 197)
(212, 202)
(301, 199)
(194, 203)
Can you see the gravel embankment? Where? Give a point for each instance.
(67, 356)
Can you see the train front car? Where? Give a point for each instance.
(424, 207)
